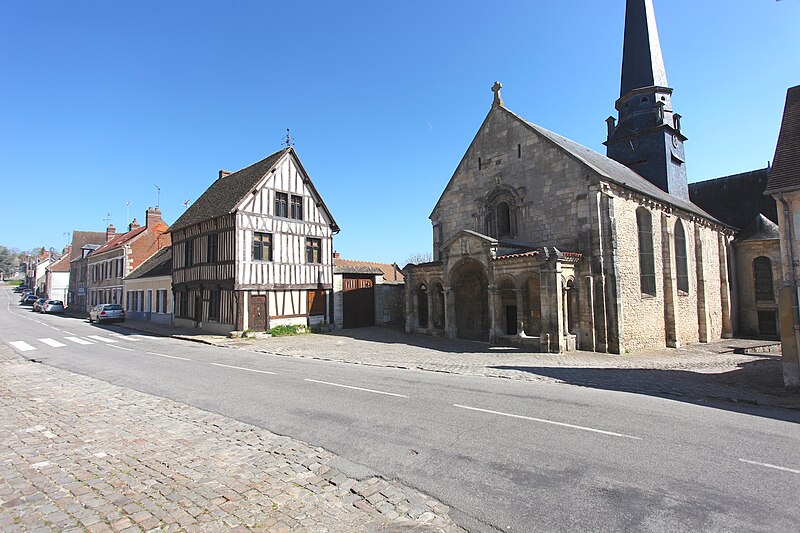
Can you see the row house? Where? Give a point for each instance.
(83, 243)
(255, 251)
(108, 265)
(57, 278)
(148, 289)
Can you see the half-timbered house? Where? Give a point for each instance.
(255, 251)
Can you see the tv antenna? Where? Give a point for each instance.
(127, 211)
(185, 204)
(288, 141)
(107, 219)
(158, 196)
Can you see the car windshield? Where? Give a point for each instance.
(56, 302)
(113, 307)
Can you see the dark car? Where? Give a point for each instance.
(37, 305)
(29, 299)
(107, 313)
(20, 288)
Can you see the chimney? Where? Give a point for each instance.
(110, 232)
(337, 255)
(153, 217)
(134, 225)
(224, 173)
(68, 251)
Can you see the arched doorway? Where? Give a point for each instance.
(470, 289)
(422, 307)
(508, 299)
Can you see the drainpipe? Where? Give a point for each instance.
(787, 215)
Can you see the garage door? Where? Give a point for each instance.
(359, 301)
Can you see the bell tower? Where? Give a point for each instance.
(647, 136)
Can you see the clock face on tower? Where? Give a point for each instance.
(675, 141)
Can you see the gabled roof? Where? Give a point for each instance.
(225, 194)
(119, 239)
(159, 264)
(62, 265)
(785, 173)
(82, 238)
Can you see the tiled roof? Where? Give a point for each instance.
(225, 193)
(159, 264)
(785, 173)
(119, 239)
(760, 229)
(62, 265)
(82, 238)
(614, 171)
(348, 266)
(736, 199)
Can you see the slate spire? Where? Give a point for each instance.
(647, 136)
(642, 63)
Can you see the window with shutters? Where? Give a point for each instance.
(316, 303)
(762, 275)
(681, 260)
(647, 270)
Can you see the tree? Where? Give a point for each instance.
(419, 257)
(9, 263)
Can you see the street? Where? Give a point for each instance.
(502, 454)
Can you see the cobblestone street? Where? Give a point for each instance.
(79, 454)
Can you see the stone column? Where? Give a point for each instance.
(552, 307)
(431, 296)
(520, 312)
(450, 327)
(493, 328)
(670, 290)
(724, 287)
(411, 316)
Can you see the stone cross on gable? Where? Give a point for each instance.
(496, 90)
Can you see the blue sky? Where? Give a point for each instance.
(102, 101)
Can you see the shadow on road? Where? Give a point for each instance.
(743, 389)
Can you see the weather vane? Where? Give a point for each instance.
(158, 196)
(288, 140)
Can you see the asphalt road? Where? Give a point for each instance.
(504, 455)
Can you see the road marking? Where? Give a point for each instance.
(126, 337)
(121, 348)
(562, 424)
(52, 342)
(22, 346)
(170, 356)
(783, 468)
(78, 340)
(51, 327)
(243, 368)
(149, 337)
(99, 338)
(357, 388)
(68, 333)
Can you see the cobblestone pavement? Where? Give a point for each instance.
(703, 371)
(79, 454)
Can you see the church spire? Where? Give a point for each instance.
(642, 63)
(647, 137)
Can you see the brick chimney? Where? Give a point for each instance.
(110, 232)
(153, 217)
(134, 225)
(224, 173)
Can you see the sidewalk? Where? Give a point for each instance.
(79, 454)
(712, 371)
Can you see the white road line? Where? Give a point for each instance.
(102, 339)
(126, 337)
(243, 368)
(51, 327)
(170, 356)
(562, 424)
(783, 468)
(121, 348)
(52, 342)
(357, 388)
(22, 346)
(78, 340)
(149, 337)
(68, 333)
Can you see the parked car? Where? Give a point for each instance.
(107, 313)
(25, 292)
(29, 299)
(20, 288)
(37, 305)
(53, 306)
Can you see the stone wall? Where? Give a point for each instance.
(747, 307)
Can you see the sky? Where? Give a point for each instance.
(102, 102)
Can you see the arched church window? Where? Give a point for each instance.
(762, 276)
(647, 269)
(503, 220)
(681, 263)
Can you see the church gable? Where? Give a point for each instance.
(468, 242)
(513, 183)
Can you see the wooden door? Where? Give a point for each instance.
(258, 313)
(359, 302)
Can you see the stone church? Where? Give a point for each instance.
(541, 242)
